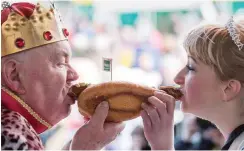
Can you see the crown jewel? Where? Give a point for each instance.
(20, 32)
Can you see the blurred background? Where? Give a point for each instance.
(144, 40)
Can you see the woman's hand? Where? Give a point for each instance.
(158, 121)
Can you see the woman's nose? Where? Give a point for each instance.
(180, 78)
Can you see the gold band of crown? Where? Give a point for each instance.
(20, 33)
(28, 108)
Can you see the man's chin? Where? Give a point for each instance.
(68, 111)
(58, 116)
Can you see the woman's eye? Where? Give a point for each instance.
(190, 68)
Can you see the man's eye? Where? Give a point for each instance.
(61, 64)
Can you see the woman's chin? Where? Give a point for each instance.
(183, 107)
(191, 110)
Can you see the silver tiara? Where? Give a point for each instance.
(230, 26)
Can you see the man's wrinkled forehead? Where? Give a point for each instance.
(61, 49)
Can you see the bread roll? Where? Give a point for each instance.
(124, 98)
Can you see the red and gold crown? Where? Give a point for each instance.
(26, 26)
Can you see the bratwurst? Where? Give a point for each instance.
(124, 98)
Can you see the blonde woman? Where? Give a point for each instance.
(212, 83)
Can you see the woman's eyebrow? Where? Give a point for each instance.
(190, 57)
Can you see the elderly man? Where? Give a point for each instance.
(36, 77)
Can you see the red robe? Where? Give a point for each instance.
(20, 125)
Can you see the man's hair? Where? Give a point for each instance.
(17, 56)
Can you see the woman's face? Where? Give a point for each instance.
(201, 88)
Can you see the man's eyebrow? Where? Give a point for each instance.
(63, 53)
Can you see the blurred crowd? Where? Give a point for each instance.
(146, 48)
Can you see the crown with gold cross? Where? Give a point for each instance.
(20, 33)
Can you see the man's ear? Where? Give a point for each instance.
(10, 75)
(231, 89)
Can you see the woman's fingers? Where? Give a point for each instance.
(157, 112)
(169, 100)
(152, 113)
(160, 106)
(146, 121)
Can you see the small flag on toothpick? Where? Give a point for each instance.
(107, 65)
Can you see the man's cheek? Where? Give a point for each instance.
(57, 85)
(32, 75)
(59, 80)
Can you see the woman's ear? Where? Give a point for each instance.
(10, 76)
(231, 89)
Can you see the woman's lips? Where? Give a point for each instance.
(182, 91)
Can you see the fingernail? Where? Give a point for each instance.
(104, 104)
(150, 98)
(158, 92)
(161, 91)
(143, 104)
(123, 126)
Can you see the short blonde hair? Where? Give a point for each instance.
(213, 45)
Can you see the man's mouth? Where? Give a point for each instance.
(75, 90)
(71, 99)
(72, 96)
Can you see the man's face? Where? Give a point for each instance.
(46, 76)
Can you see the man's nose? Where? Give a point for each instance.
(72, 75)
